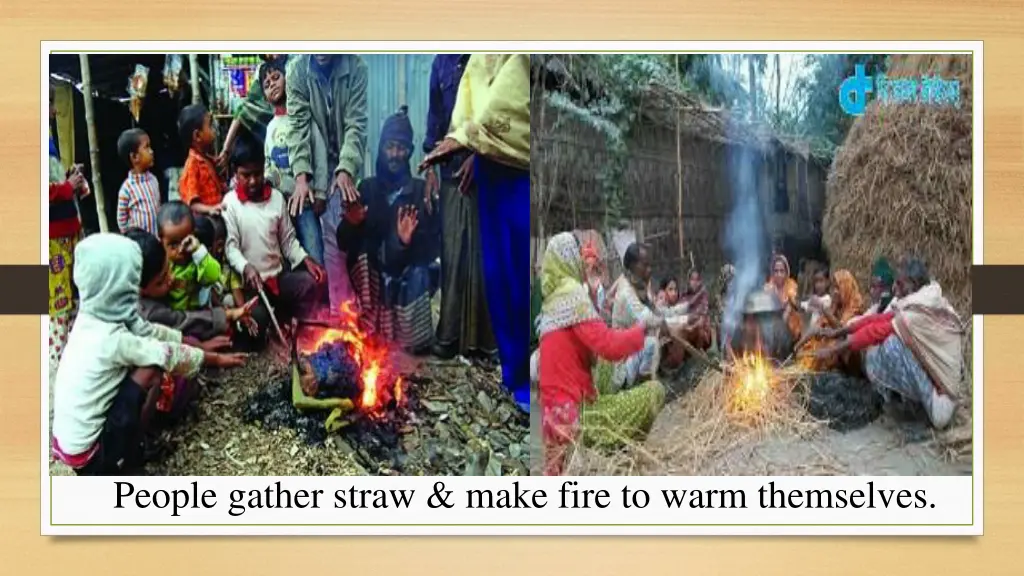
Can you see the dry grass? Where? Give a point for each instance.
(901, 184)
(708, 437)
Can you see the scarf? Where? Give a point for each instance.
(566, 301)
(850, 302)
(243, 192)
(696, 302)
(397, 128)
(933, 331)
(108, 273)
(883, 272)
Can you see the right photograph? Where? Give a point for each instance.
(751, 264)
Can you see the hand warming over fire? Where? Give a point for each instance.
(443, 150)
(408, 220)
(236, 314)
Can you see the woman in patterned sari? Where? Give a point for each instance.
(572, 336)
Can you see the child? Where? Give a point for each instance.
(261, 243)
(200, 186)
(821, 299)
(110, 376)
(203, 324)
(139, 197)
(229, 289)
(192, 266)
(305, 216)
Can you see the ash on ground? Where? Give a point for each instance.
(460, 421)
(846, 403)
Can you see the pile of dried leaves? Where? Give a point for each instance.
(461, 422)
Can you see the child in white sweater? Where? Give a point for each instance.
(262, 245)
(109, 377)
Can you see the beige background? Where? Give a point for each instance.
(24, 23)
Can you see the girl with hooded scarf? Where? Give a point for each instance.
(572, 336)
(491, 119)
(110, 376)
(393, 244)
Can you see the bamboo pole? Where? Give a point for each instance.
(94, 145)
(193, 70)
(679, 169)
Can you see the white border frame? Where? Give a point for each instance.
(893, 47)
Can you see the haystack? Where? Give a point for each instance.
(901, 184)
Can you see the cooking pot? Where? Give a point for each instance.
(763, 323)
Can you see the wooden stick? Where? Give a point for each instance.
(94, 144)
(679, 169)
(698, 354)
(193, 69)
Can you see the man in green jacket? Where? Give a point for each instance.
(327, 94)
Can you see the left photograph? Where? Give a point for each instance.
(288, 264)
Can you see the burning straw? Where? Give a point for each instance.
(725, 414)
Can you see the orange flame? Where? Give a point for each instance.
(370, 353)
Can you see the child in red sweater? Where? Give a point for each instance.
(572, 337)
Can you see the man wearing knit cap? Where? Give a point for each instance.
(393, 243)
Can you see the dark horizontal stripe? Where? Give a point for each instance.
(997, 290)
(24, 290)
(63, 211)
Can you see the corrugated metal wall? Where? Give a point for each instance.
(396, 79)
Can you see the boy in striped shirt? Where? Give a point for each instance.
(139, 198)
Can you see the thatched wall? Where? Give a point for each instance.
(568, 194)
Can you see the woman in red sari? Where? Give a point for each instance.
(572, 337)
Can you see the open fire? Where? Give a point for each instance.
(349, 362)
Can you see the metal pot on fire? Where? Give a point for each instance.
(763, 328)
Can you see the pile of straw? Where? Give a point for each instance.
(901, 184)
(707, 437)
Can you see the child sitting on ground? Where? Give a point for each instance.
(203, 323)
(109, 378)
(139, 198)
(261, 244)
(200, 185)
(229, 289)
(820, 300)
(192, 265)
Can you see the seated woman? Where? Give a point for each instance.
(846, 303)
(785, 288)
(914, 350)
(572, 335)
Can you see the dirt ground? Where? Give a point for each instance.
(886, 447)
(463, 423)
(889, 446)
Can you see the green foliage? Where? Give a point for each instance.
(606, 91)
